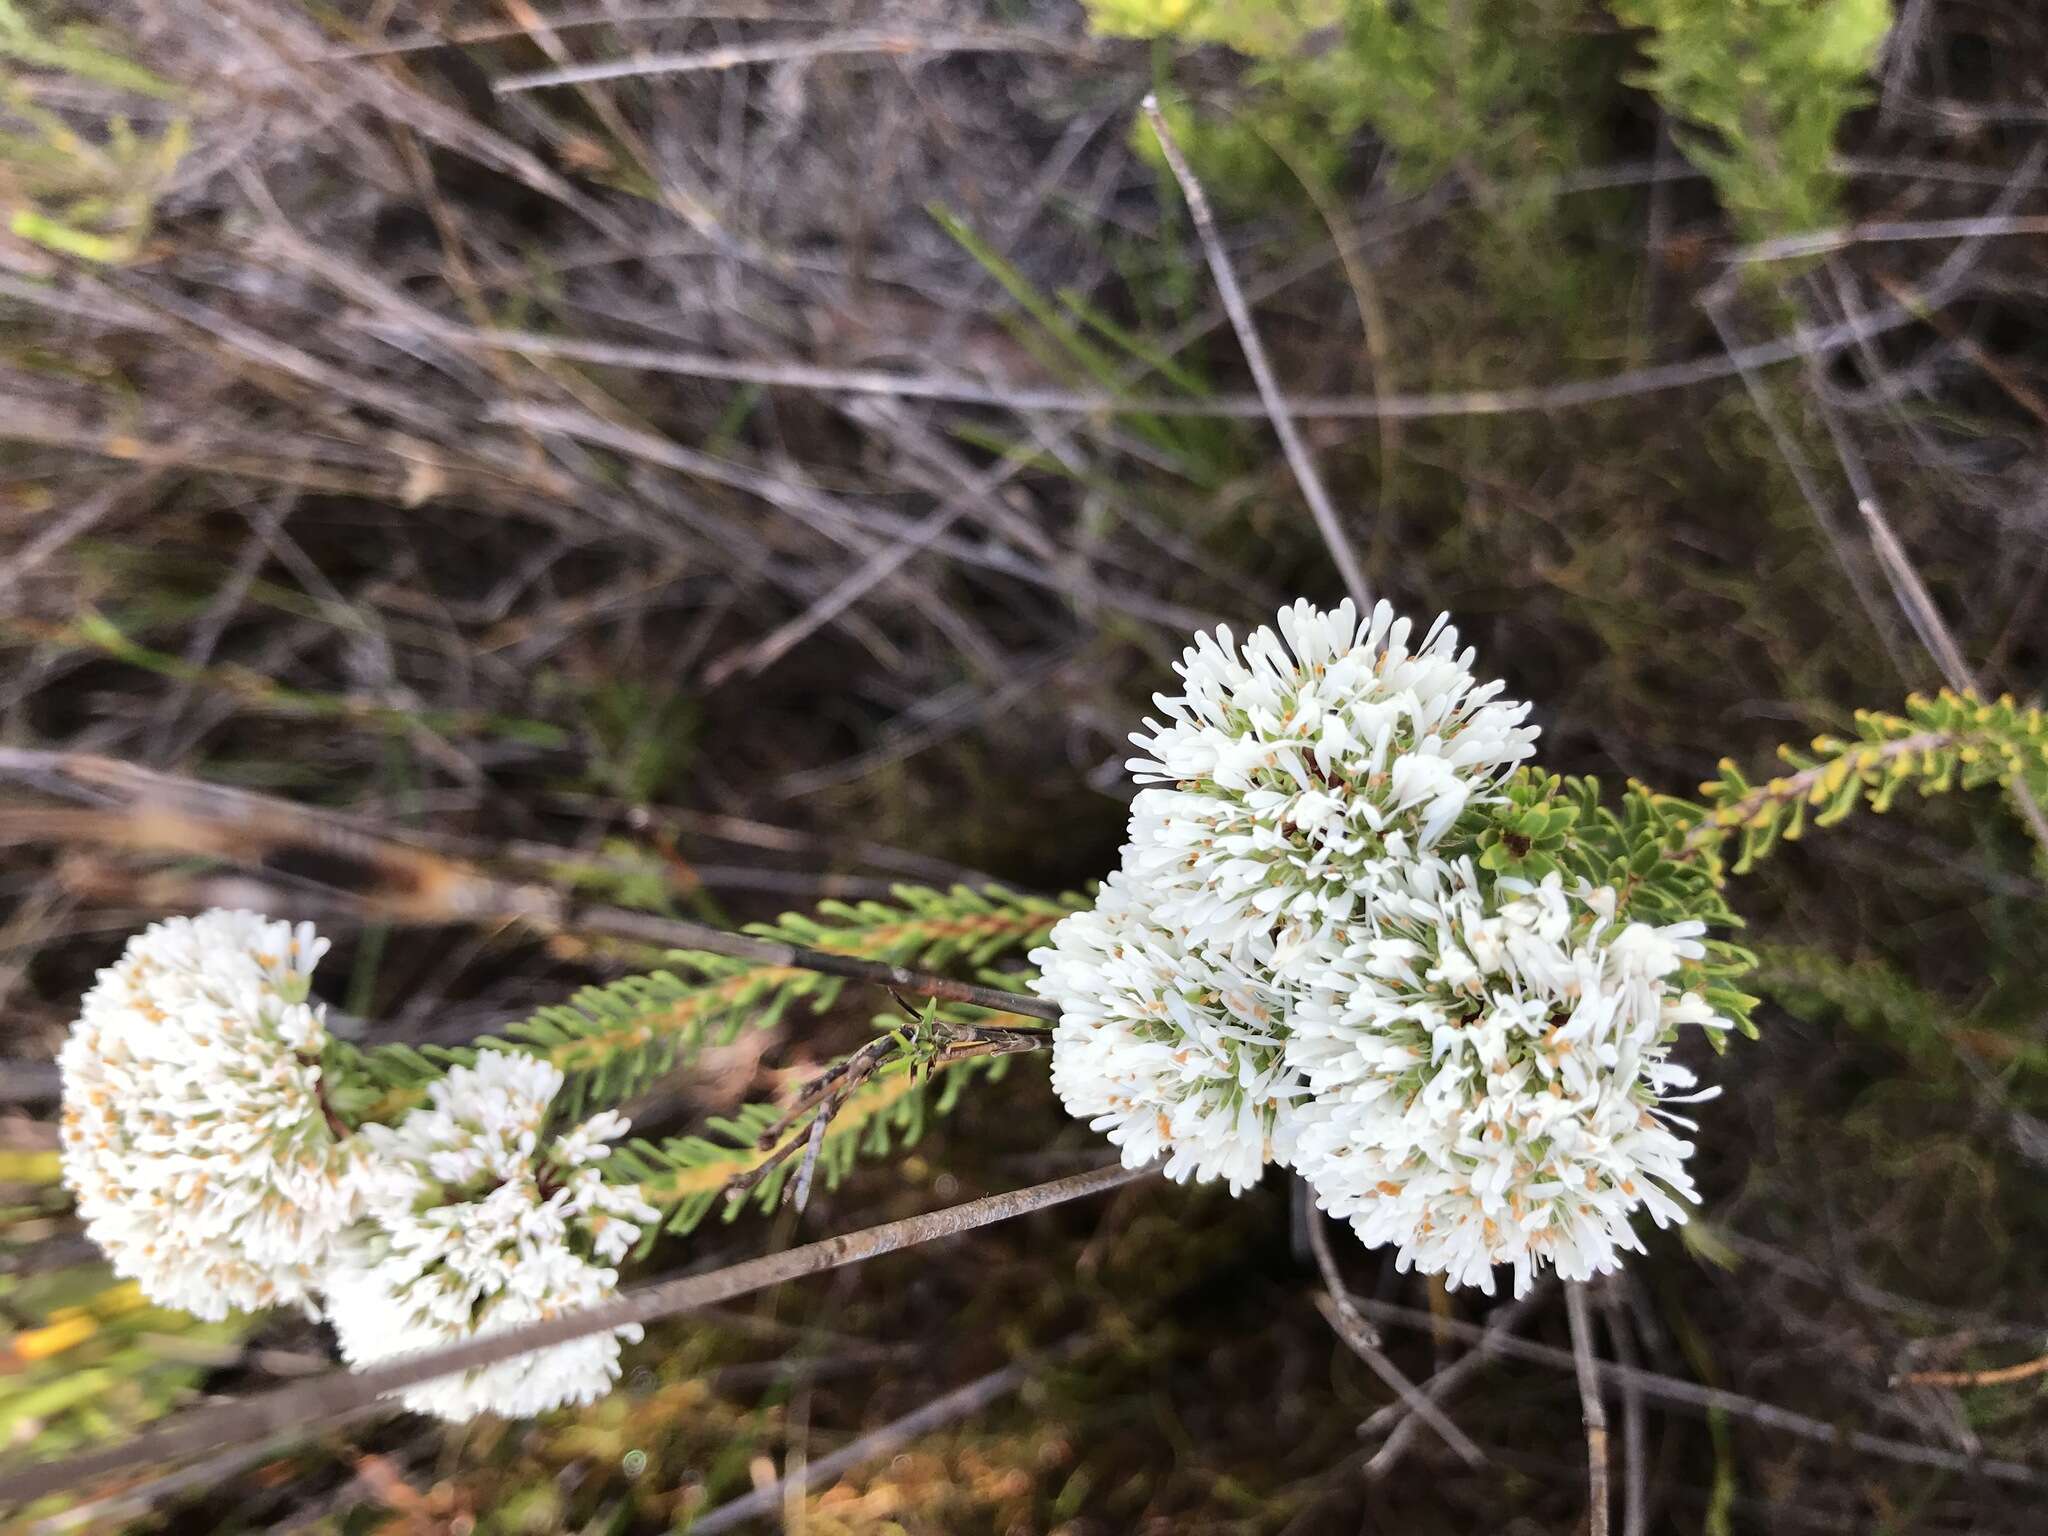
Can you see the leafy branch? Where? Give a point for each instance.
(744, 1159)
(1557, 825)
(1667, 857)
(1949, 742)
(612, 1040)
(928, 1043)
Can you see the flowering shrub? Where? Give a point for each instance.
(1489, 1078)
(207, 1162)
(195, 1139)
(1301, 962)
(1356, 933)
(483, 1229)
(1297, 780)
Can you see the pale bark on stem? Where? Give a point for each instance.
(1362, 1339)
(1594, 1410)
(341, 1392)
(1690, 1395)
(408, 882)
(1327, 521)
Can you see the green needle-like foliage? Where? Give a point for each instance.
(1644, 849)
(1949, 742)
(1757, 89)
(612, 1040)
(688, 1178)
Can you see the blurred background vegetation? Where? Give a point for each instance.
(781, 459)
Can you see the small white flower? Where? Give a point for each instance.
(1164, 1051)
(1489, 1081)
(1294, 780)
(194, 1135)
(487, 1229)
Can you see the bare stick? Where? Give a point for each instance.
(1998, 1376)
(1816, 498)
(1298, 459)
(1402, 1426)
(405, 882)
(963, 389)
(676, 933)
(1363, 1340)
(813, 1145)
(1689, 1394)
(787, 50)
(340, 1392)
(1591, 1406)
(828, 1093)
(1635, 1491)
(1913, 597)
(1918, 604)
(1822, 241)
(1352, 1324)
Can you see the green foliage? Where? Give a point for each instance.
(1763, 86)
(81, 195)
(961, 929)
(610, 1041)
(1645, 849)
(1057, 330)
(1949, 742)
(1257, 27)
(1512, 88)
(689, 1177)
(95, 1360)
(613, 1040)
(259, 693)
(83, 1357)
(642, 740)
(1499, 86)
(1868, 994)
(1665, 855)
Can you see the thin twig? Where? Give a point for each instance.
(1810, 490)
(404, 882)
(1918, 604)
(814, 1143)
(1691, 1395)
(1590, 1405)
(1401, 1425)
(134, 1504)
(1996, 1377)
(1304, 467)
(338, 1392)
(959, 388)
(789, 50)
(1417, 1402)
(1635, 1499)
(1822, 241)
(1363, 1340)
(1793, 787)
(827, 1094)
(1351, 1323)
(614, 17)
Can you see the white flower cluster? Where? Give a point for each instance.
(1295, 781)
(193, 1132)
(1165, 1051)
(206, 1161)
(1486, 1080)
(1287, 967)
(483, 1235)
